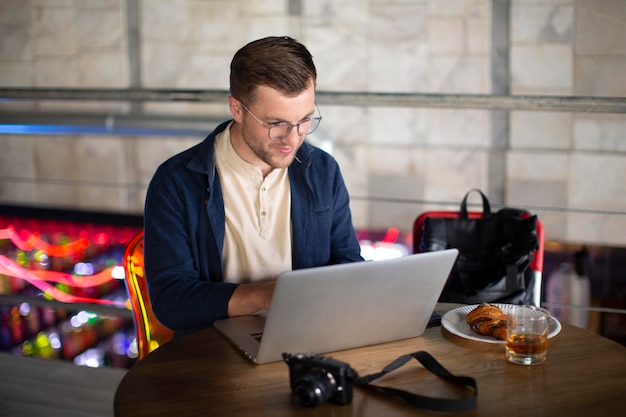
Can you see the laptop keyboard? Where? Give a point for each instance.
(257, 336)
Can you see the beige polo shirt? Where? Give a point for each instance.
(257, 243)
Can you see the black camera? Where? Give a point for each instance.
(316, 379)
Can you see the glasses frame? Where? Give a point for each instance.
(290, 126)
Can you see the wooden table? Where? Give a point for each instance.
(202, 374)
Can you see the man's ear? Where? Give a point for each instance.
(236, 110)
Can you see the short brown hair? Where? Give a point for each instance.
(279, 62)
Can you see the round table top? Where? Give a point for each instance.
(204, 374)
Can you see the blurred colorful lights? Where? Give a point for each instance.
(83, 277)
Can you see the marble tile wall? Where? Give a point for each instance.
(397, 162)
(569, 160)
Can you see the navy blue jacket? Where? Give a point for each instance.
(184, 230)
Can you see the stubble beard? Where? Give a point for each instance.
(268, 154)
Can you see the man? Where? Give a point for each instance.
(224, 218)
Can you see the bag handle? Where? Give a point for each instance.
(486, 206)
(446, 405)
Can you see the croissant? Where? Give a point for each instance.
(487, 320)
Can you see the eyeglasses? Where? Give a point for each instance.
(280, 130)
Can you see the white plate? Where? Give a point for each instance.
(454, 322)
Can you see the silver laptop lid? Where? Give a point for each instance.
(338, 307)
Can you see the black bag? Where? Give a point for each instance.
(495, 252)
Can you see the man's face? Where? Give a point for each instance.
(254, 144)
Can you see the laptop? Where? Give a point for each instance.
(337, 307)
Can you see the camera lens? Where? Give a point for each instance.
(314, 388)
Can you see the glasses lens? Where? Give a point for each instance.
(279, 131)
(309, 126)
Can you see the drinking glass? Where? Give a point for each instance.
(526, 335)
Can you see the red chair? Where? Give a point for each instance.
(150, 332)
(536, 264)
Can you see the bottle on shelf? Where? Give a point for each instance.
(569, 291)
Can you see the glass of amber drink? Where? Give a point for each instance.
(526, 335)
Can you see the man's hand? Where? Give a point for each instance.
(250, 298)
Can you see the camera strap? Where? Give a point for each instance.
(446, 405)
